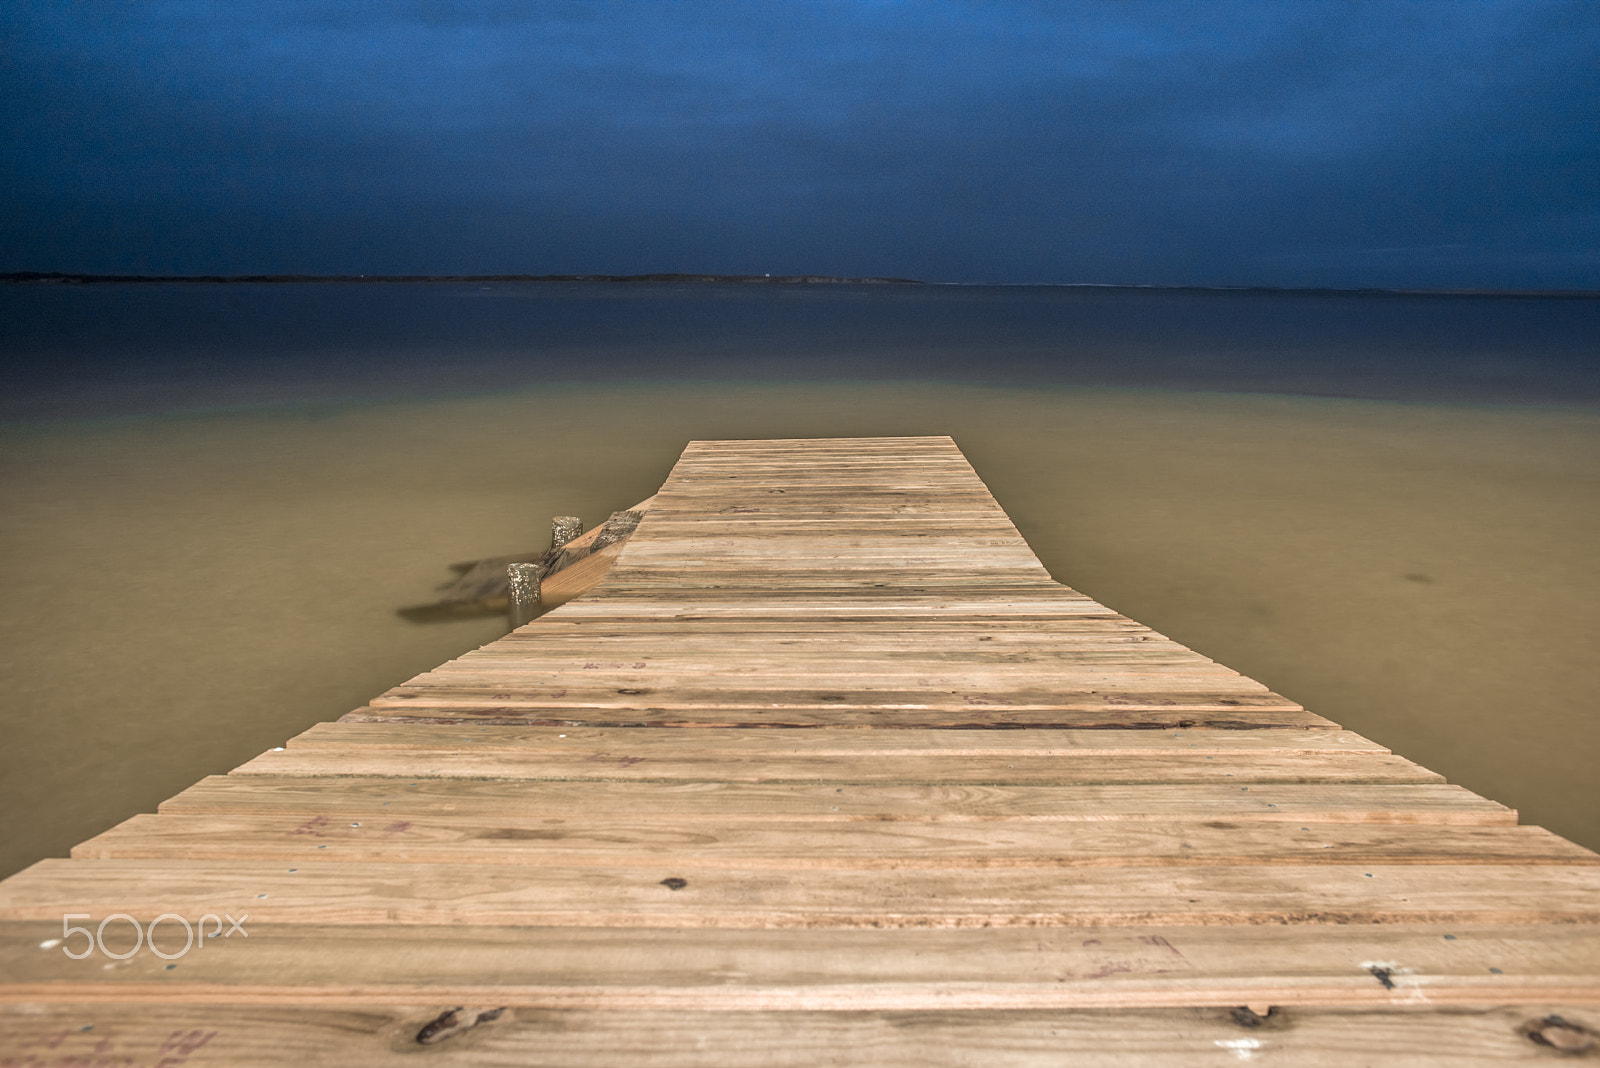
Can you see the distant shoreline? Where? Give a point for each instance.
(215, 279)
(68, 278)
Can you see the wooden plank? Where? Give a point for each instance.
(825, 743)
(1128, 669)
(332, 892)
(971, 605)
(1114, 668)
(797, 970)
(586, 539)
(757, 520)
(1088, 647)
(869, 845)
(311, 1034)
(982, 663)
(632, 762)
(354, 796)
(820, 576)
(972, 556)
(1068, 634)
(1024, 634)
(977, 664)
(819, 710)
(578, 579)
(608, 689)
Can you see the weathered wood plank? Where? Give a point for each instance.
(978, 664)
(824, 710)
(578, 579)
(1428, 804)
(788, 669)
(1023, 633)
(674, 894)
(628, 762)
(596, 689)
(226, 1036)
(824, 743)
(820, 576)
(799, 602)
(915, 969)
(869, 845)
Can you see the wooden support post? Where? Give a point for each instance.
(523, 587)
(563, 528)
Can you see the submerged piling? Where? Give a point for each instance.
(523, 581)
(563, 528)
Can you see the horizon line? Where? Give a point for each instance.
(86, 278)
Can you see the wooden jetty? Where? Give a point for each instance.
(826, 769)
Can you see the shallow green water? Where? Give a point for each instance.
(183, 592)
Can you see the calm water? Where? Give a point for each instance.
(212, 499)
(118, 349)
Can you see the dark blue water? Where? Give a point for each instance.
(72, 351)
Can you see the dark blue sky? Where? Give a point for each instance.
(1221, 142)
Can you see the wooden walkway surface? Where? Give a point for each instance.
(827, 769)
